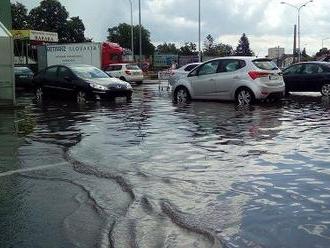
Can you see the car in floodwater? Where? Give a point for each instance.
(81, 82)
(175, 75)
(308, 77)
(126, 72)
(23, 77)
(240, 79)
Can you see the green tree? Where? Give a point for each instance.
(222, 50)
(52, 16)
(323, 52)
(216, 49)
(208, 45)
(189, 48)
(243, 48)
(19, 15)
(121, 34)
(167, 48)
(73, 31)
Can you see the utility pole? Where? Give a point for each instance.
(132, 30)
(294, 43)
(140, 33)
(199, 31)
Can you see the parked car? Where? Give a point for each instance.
(182, 71)
(126, 72)
(23, 77)
(309, 77)
(243, 79)
(82, 82)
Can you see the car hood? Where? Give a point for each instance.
(108, 82)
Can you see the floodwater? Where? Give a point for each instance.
(154, 174)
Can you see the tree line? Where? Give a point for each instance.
(52, 16)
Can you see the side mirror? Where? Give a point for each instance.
(193, 73)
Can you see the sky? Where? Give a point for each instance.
(267, 23)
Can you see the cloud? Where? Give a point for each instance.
(266, 22)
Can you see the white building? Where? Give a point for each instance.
(275, 52)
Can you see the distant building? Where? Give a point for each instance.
(276, 52)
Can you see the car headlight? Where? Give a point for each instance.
(128, 86)
(97, 86)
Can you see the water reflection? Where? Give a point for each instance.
(160, 175)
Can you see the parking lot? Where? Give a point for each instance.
(151, 173)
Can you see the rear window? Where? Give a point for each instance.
(132, 67)
(265, 64)
(23, 70)
(114, 68)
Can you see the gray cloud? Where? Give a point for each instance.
(266, 22)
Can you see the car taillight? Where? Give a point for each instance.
(128, 72)
(257, 74)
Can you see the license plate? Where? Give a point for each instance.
(274, 77)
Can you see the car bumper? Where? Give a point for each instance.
(270, 92)
(112, 93)
(134, 78)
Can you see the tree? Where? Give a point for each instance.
(189, 48)
(19, 15)
(165, 48)
(121, 34)
(208, 45)
(213, 49)
(73, 31)
(323, 52)
(51, 16)
(243, 48)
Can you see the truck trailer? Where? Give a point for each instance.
(98, 54)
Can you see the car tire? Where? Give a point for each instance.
(129, 97)
(325, 90)
(122, 78)
(244, 96)
(39, 94)
(139, 82)
(181, 95)
(81, 97)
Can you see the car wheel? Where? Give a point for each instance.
(244, 96)
(139, 82)
(181, 95)
(81, 97)
(325, 90)
(122, 78)
(129, 97)
(39, 94)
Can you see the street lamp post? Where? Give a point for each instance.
(140, 33)
(199, 31)
(132, 29)
(298, 8)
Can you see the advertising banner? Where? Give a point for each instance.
(80, 53)
(164, 60)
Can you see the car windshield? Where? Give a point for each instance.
(265, 64)
(89, 72)
(132, 67)
(23, 70)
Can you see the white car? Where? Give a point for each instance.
(243, 79)
(125, 72)
(175, 75)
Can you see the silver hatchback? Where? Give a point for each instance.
(242, 79)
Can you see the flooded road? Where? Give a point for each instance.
(153, 174)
